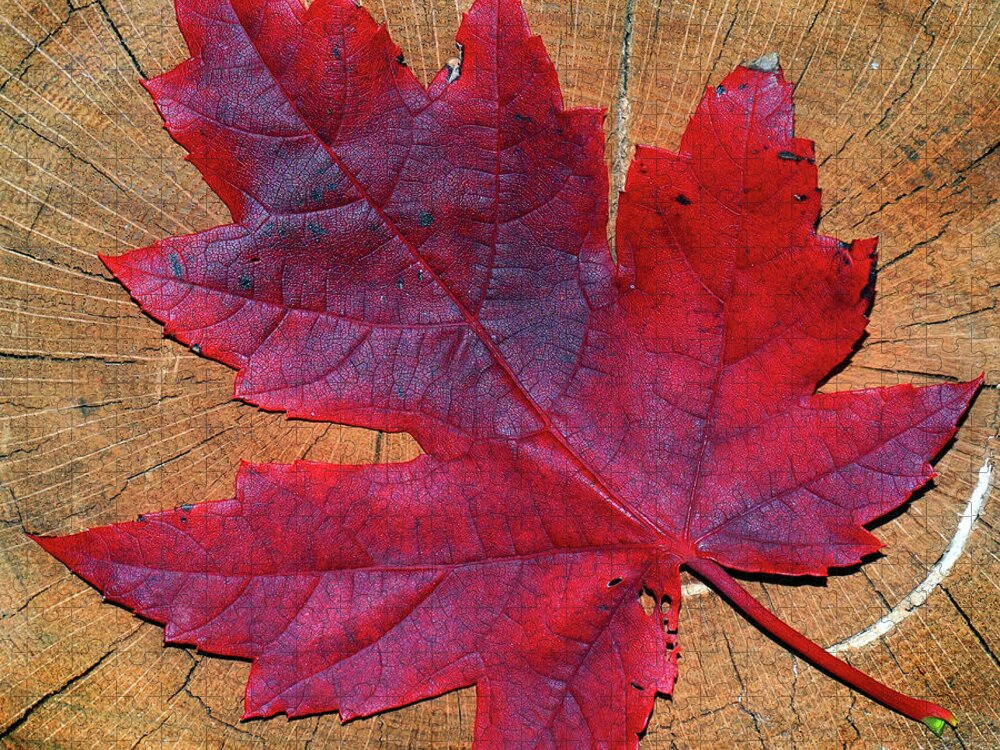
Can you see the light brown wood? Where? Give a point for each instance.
(101, 418)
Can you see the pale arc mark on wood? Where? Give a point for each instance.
(922, 591)
(909, 604)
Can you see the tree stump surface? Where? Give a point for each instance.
(101, 418)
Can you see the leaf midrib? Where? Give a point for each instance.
(432, 568)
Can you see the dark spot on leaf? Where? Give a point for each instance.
(141, 519)
(789, 156)
(614, 582)
(315, 194)
(316, 230)
(603, 607)
(683, 200)
(184, 519)
(521, 118)
(636, 685)
(400, 391)
(245, 282)
(425, 219)
(187, 507)
(175, 265)
(373, 226)
(720, 90)
(420, 275)
(335, 52)
(196, 348)
(399, 283)
(799, 197)
(400, 59)
(742, 86)
(868, 292)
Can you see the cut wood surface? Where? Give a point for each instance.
(101, 418)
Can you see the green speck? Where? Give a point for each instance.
(245, 282)
(426, 218)
(175, 265)
(935, 724)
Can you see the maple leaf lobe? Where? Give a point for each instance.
(435, 260)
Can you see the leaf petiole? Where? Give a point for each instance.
(931, 714)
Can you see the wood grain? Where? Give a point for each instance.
(101, 418)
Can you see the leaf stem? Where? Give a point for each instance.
(931, 714)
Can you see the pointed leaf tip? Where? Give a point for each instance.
(45, 542)
(111, 262)
(54, 545)
(62, 548)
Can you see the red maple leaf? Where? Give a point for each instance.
(434, 260)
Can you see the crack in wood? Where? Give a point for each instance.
(620, 133)
(39, 702)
